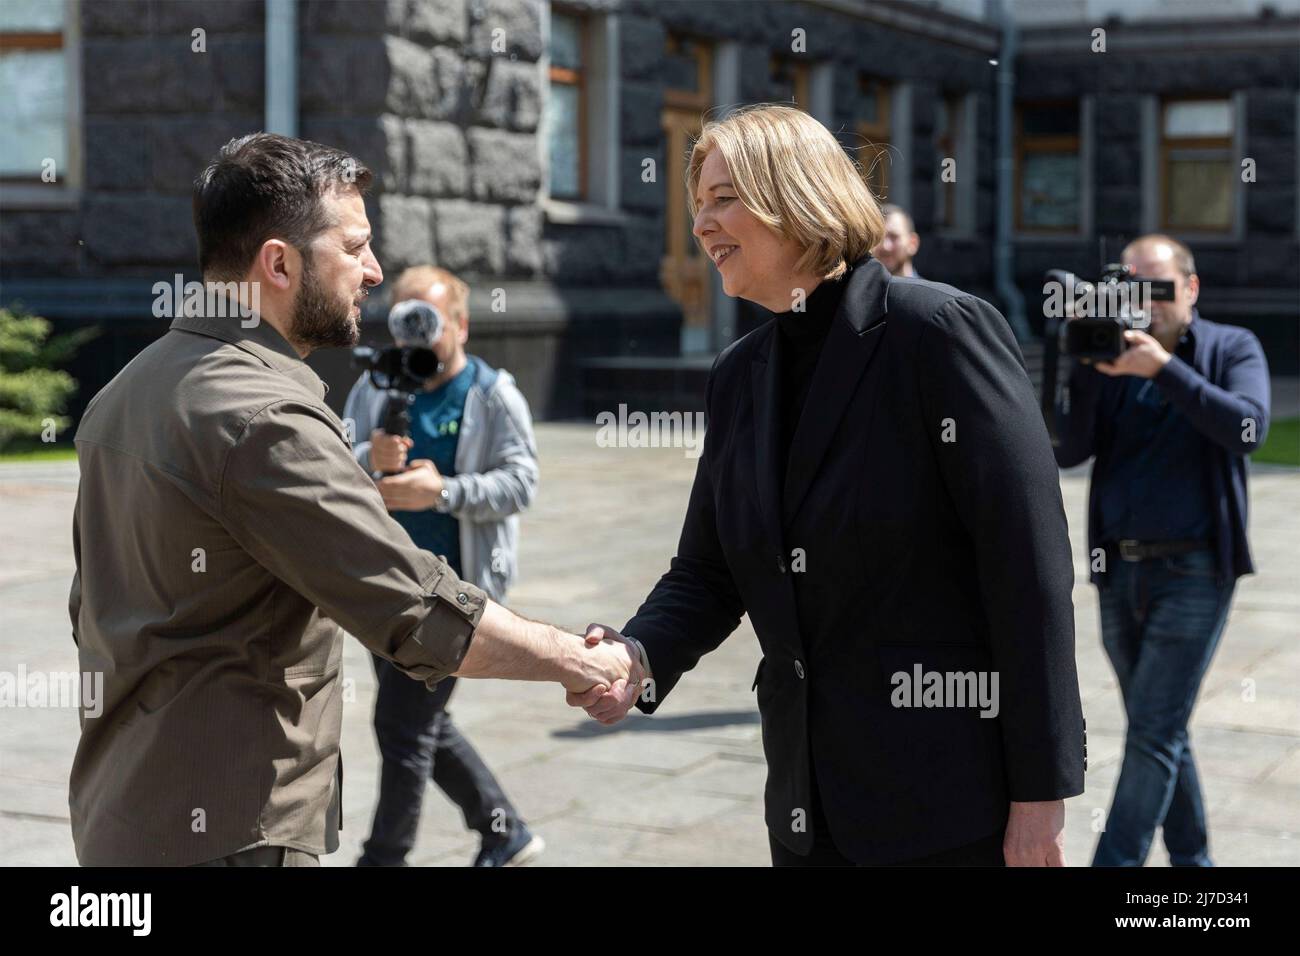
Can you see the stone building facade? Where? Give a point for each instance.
(579, 286)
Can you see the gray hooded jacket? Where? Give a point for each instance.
(496, 470)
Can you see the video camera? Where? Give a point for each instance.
(1087, 320)
(1099, 313)
(402, 369)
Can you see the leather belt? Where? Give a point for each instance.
(1130, 550)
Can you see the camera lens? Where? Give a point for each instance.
(421, 363)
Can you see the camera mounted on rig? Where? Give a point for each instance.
(402, 369)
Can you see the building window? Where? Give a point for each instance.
(688, 66)
(686, 274)
(566, 128)
(874, 128)
(1048, 168)
(788, 82)
(688, 95)
(35, 75)
(949, 134)
(1197, 174)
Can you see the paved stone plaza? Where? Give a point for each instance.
(684, 787)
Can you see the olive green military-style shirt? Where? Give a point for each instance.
(223, 532)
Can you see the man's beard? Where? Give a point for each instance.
(320, 320)
(1166, 326)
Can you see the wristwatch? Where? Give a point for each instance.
(442, 503)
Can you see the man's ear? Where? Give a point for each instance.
(914, 244)
(1193, 288)
(277, 264)
(462, 329)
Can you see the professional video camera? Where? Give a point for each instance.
(402, 369)
(1088, 319)
(1100, 312)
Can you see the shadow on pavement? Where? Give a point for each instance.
(660, 725)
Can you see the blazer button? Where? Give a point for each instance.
(798, 668)
(462, 597)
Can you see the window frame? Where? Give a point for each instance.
(1039, 143)
(802, 70)
(567, 76)
(686, 99)
(950, 144)
(1229, 144)
(877, 137)
(17, 192)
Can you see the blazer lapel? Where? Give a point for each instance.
(854, 335)
(765, 381)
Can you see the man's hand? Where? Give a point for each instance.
(1144, 357)
(388, 452)
(610, 705)
(415, 489)
(1035, 834)
(603, 666)
(511, 647)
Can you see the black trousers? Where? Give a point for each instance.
(983, 852)
(419, 742)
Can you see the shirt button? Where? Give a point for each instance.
(462, 597)
(798, 668)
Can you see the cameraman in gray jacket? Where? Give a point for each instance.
(472, 468)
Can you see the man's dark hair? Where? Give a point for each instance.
(888, 209)
(263, 186)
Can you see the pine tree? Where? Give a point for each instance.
(33, 393)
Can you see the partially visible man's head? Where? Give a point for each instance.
(900, 242)
(1157, 256)
(289, 215)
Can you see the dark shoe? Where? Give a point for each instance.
(521, 848)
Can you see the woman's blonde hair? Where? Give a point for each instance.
(793, 175)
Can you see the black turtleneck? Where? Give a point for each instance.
(802, 336)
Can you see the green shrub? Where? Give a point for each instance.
(33, 394)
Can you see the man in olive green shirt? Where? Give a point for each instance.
(224, 532)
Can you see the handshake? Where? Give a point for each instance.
(611, 675)
(602, 672)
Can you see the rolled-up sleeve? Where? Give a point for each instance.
(294, 497)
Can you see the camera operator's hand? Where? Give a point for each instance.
(415, 489)
(388, 452)
(1144, 357)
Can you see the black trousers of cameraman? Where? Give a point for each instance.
(418, 742)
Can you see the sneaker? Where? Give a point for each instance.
(521, 848)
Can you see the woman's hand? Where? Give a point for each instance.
(610, 705)
(1035, 834)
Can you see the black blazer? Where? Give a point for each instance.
(951, 554)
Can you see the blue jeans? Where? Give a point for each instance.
(1161, 620)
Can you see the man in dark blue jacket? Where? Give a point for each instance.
(1170, 423)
